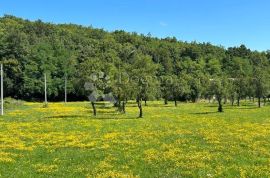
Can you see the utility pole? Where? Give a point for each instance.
(2, 91)
(65, 88)
(45, 88)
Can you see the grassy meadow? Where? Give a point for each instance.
(191, 140)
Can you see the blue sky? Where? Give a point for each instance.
(221, 22)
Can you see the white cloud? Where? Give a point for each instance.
(163, 24)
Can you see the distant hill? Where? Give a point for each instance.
(30, 49)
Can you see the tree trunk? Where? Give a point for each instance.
(264, 101)
(220, 109)
(124, 107)
(94, 108)
(238, 101)
(139, 102)
(119, 107)
(253, 99)
(232, 101)
(145, 102)
(175, 102)
(118, 104)
(259, 102)
(165, 101)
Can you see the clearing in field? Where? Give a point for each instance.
(65, 140)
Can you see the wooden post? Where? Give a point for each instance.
(2, 91)
(45, 88)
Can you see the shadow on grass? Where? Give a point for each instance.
(205, 113)
(100, 116)
(152, 105)
(244, 106)
(112, 118)
(236, 107)
(211, 106)
(161, 105)
(248, 104)
(64, 116)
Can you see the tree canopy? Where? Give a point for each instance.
(146, 64)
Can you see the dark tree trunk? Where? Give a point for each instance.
(165, 101)
(238, 101)
(253, 99)
(145, 102)
(220, 109)
(124, 107)
(141, 112)
(119, 105)
(232, 100)
(259, 102)
(175, 102)
(139, 102)
(264, 101)
(94, 108)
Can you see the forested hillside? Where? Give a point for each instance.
(29, 50)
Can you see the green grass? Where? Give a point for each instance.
(191, 140)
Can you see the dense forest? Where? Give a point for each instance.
(126, 65)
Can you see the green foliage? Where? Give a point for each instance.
(218, 88)
(144, 64)
(10, 103)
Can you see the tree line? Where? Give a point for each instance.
(128, 66)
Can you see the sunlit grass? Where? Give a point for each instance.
(191, 140)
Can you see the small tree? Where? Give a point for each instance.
(165, 86)
(218, 88)
(261, 75)
(241, 70)
(95, 76)
(121, 86)
(142, 77)
(179, 87)
(231, 93)
(261, 84)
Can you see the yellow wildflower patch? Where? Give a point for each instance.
(43, 168)
(186, 141)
